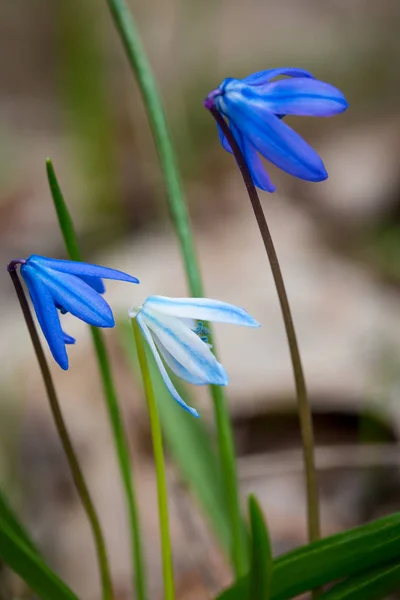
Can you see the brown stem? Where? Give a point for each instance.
(301, 390)
(72, 458)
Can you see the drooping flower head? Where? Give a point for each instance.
(254, 108)
(67, 286)
(179, 340)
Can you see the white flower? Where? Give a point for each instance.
(170, 327)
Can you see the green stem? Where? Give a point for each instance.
(166, 552)
(180, 217)
(303, 404)
(120, 440)
(151, 98)
(226, 452)
(72, 458)
(122, 449)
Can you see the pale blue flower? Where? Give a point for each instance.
(254, 107)
(68, 286)
(179, 340)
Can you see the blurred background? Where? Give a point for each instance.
(67, 93)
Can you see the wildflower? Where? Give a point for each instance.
(170, 327)
(254, 108)
(67, 286)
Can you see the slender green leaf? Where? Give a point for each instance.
(126, 27)
(261, 565)
(372, 585)
(335, 557)
(110, 395)
(31, 568)
(9, 518)
(189, 444)
(64, 218)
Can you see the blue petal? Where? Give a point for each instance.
(163, 371)
(262, 77)
(76, 296)
(258, 172)
(46, 314)
(68, 339)
(186, 347)
(224, 142)
(175, 366)
(200, 308)
(95, 282)
(81, 269)
(305, 97)
(275, 140)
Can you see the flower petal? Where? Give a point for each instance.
(175, 366)
(81, 269)
(68, 339)
(224, 142)
(186, 347)
(163, 371)
(95, 282)
(46, 314)
(76, 297)
(258, 172)
(275, 140)
(262, 77)
(200, 308)
(304, 97)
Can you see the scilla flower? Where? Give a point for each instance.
(67, 286)
(254, 107)
(176, 338)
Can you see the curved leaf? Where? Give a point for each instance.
(335, 557)
(373, 585)
(8, 517)
(31, 568)
(261, 565)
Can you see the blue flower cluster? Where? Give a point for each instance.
(173, 327)
(254, 108)
(67, 286)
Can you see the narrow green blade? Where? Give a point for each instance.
(31, 568)
(9, 518)
(261, 565)
(373, 585)
(189, 443)
(336, 557)
(64, 218)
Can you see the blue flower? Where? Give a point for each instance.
(177, 339)
(254, 108)
(68, 286)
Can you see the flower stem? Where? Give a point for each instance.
(301, 390)
(178, 209)
(72, 458)
(166, 551)
(117, 426)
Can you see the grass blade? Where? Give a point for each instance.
(261, 565)
(10, 520)
(189, 443)
(336, 557)
(373, 585)
(31, 568)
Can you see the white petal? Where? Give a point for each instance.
(186, 347)
(164, 374)
(201, 308)
(191, 323)
(175, 366)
